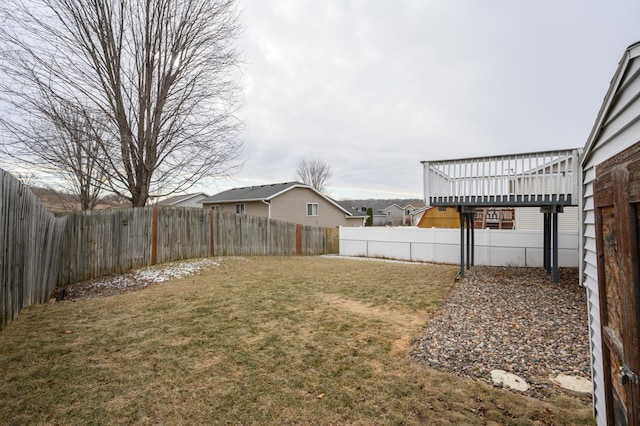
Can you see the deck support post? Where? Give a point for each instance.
(461, 242)
(468, 226)
(555, 246)
(550, 249)
(466, 221)
(546, 246)
(473, 237)
(471, 248)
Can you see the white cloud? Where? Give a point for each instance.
(373, 87)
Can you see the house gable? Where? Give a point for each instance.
(292, 206)
(616, 128)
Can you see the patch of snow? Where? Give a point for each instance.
(166, 272)
(509, 380)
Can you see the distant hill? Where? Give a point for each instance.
(60, 202)
(377, 205)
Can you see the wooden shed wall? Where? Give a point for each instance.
(617, 127)
(435, 218)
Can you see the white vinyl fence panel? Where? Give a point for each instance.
(492, 246)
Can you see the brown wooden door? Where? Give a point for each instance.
(617, 206)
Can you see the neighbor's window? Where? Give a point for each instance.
(312, 209)
(240, 208)
(216, 209)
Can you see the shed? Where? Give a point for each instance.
(610, 230)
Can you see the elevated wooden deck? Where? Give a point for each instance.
(547, 178)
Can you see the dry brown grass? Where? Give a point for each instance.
(260, 340)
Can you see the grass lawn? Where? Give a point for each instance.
(259, 340)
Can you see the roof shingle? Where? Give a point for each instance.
(253, 193)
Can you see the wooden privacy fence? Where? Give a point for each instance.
(238, 235)
(40, 252)
(29, 244)
(105, 242)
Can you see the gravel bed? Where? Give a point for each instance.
(512, 319)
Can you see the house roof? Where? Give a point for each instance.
(390, 207)
(617, 81)
(406, 207)
(264, 193)
(176, 199)
(419, 210)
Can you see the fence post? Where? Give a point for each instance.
(211, 228)
(154, 236)
(298, 240)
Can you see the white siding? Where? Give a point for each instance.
(617, 127)
(530, 219)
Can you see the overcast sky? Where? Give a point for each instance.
(374, 87)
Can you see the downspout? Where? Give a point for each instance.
(426, 182)
(268, 207)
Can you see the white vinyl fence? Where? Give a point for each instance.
(492, 246)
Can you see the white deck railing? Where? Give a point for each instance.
(537, 178)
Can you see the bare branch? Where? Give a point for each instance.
(158, 75)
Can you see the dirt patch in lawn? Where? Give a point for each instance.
(405, 325)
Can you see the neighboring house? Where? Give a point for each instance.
(289, 201)
(186, 200)
(398, 216)
(378, 218)
(610, 229)
(417, 214)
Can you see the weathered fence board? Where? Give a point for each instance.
(183, 233)
(332, 240)
(242, 235)
(29, 243)
(105, 242)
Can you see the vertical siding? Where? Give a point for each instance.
(617, 127)
(530, 219)
(589, 274)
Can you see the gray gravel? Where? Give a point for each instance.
(512, 319)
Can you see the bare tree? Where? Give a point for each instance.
(63, 141)
(313, 172)
(158, 75)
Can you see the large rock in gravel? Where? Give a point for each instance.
(509, 380)
(574, 383)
